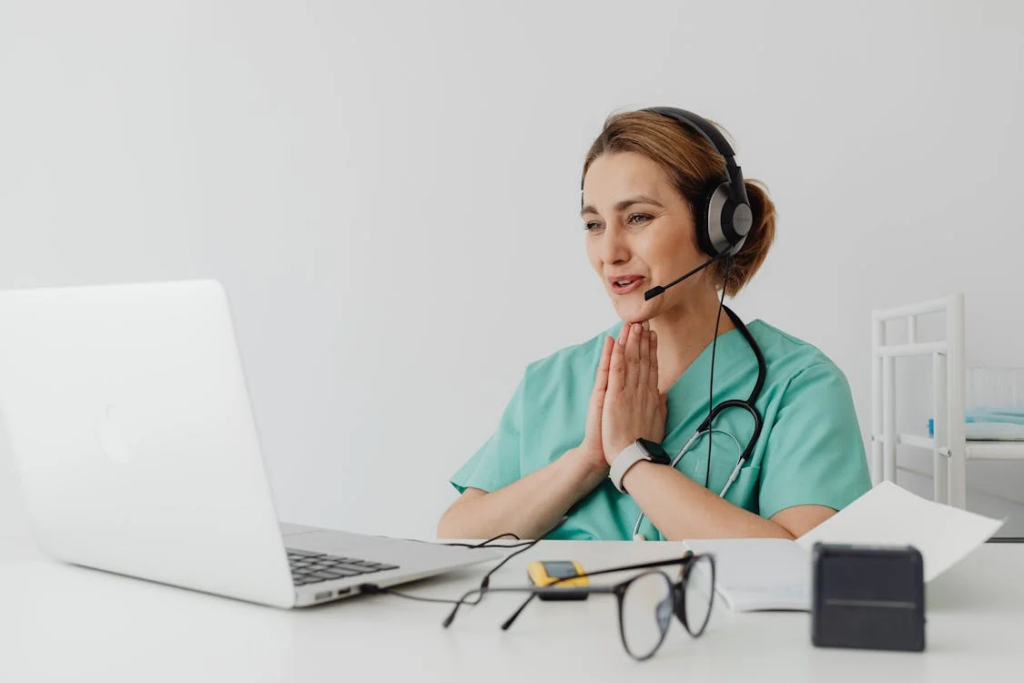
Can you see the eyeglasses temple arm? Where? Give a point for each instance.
(484, 587)
(511, 620)
(537, 591)
(645, 565)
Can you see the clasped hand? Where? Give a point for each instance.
(625, 404)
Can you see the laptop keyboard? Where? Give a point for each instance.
(310, 567)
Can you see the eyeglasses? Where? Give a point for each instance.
(647, 601)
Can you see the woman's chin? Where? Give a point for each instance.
(634, 313)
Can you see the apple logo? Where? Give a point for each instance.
(111, 440)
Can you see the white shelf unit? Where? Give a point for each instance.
(949, 447)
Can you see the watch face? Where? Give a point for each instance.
(657, 453)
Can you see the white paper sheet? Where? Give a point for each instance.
(890, 515)
(775, 574)
(759, 573)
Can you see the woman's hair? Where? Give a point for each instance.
(694, 166)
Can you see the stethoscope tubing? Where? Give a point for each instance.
(705, 426)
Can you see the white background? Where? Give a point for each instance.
(389, 191)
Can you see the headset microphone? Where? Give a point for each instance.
(660, 289)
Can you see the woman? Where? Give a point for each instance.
(647, 182)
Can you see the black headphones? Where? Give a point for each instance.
(723, 214)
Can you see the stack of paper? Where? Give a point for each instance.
(765, 574)
(759, 573)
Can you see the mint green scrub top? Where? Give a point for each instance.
(810, 451)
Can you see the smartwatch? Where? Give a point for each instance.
(641, 449)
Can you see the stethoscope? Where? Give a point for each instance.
(705, 426)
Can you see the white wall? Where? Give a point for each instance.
(389, 192)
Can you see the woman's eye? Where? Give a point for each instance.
(591, 225)
(638, 218)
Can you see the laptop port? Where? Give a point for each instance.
(344, 591)
(322, 595)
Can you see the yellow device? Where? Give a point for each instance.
(545, 573)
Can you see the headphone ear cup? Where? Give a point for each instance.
(728, 222)
(710, 238)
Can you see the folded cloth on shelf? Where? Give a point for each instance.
(994, 431)
(991, 424)
(1001, 416)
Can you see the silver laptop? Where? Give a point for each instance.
(129, 418)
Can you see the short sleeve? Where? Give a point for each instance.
(815, 452)
(496, 464)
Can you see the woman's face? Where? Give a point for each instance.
(640, 234)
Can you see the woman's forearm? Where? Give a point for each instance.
(528, 507)
(680, 508)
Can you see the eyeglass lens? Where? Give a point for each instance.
(646, 613)
(699, 593)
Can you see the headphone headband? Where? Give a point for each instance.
(724, 215)
(733, 173)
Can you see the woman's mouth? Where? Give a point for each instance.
(626, 283)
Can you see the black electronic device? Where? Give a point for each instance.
(868, 597)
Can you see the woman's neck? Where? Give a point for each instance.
(683, 333)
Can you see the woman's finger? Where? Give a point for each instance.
(632, 358)
(616, 366)
(652, 379)
(601, 380)
(596, 410)
(643, 369)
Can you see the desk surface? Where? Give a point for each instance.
(59, 622)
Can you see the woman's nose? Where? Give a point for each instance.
(614, 248)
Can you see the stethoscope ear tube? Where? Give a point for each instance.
(747, 405)
(732, 478)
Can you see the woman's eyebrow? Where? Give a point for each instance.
(619, 206)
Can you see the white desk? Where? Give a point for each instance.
(60, 623)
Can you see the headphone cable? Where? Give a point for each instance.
(714, 347)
